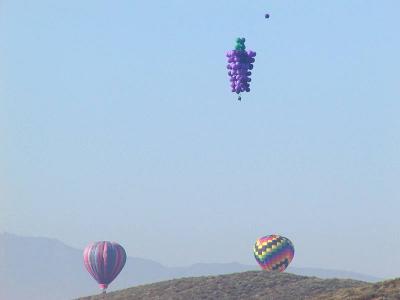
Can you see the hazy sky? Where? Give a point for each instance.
(117, 123)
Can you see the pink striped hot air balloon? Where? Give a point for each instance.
(104, 261)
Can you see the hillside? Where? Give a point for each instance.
(258, 285)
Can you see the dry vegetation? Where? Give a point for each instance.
(258, 285)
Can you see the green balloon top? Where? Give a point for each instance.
(240, 44)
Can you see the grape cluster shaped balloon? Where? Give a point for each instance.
(240, 64)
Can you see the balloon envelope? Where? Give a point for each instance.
(273, 252)
(240, 62)
(104, 261)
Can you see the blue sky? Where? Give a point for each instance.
(118, 123)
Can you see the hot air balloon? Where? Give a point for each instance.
(104, 261)
(240, 63)
(273, 252)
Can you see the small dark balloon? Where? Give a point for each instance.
(267, 16)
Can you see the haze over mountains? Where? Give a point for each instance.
(38, 268)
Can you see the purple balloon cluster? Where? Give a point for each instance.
(240, 62)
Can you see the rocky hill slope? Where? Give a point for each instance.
(258, 285)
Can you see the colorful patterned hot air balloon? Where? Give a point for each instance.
(104, 261)
(273, 252)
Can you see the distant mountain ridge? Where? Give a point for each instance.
(31, 265)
